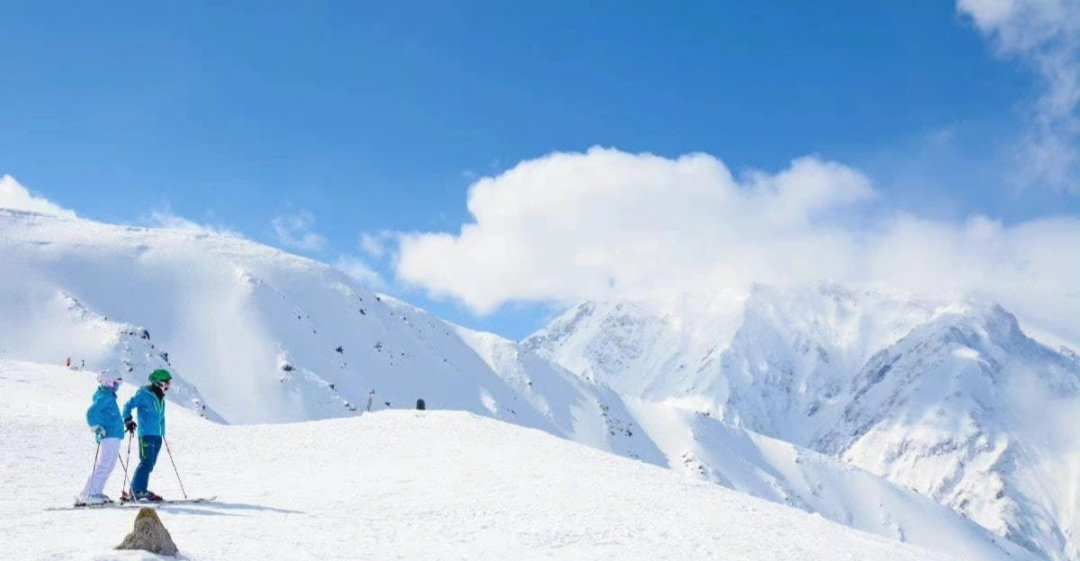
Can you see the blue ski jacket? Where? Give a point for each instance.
(104, 412)
(151, 408)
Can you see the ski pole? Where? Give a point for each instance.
(90, 482)
(96, 451)
(176, 471)
(123, 486)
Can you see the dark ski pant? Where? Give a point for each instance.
(149, 446)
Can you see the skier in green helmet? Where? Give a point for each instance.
(150, 403)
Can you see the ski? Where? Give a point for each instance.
(110, 506)
(133, 504)
(199, 500)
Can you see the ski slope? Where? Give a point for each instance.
(387, 485)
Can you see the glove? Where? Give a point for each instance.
(99, 432)
(130, 425)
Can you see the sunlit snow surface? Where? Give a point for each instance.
(387, 485)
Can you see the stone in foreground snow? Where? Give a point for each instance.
(149, 535)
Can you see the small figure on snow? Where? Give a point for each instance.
(103, 416)
(150, 403)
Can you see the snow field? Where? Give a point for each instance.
(388, 485)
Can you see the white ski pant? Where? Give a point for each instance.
(106, 460)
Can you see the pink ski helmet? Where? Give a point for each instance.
(109, 378)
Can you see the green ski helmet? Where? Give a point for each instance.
(160, 375)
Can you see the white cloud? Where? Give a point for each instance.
(15, 196)
(571, 226)
(165, 219)
(374, 245)
(1046, 35)
(360, 270)
(295, 231)
(568, 227)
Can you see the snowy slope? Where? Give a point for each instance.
(623, 345)
(39, 324)
(736, 458)
(580, 410)
(969, 411)
(388, 485)
(953, 401)
(263, 335)
(785, 473)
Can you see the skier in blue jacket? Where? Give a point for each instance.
(149, 401)
(103, 416)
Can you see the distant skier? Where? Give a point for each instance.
(150, 402)
(103, 416)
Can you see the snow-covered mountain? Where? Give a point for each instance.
(258, 335)
(734, 457)
(950, 400)
(791, 351)
(969, 411)
(265, 336)
(789, 474)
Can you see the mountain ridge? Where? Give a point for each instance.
(885, 385)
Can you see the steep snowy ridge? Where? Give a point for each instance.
(580, 410)
(788, 474)
(45, 325)
(953, 401)
(792, 359)
(265, 336)
(613, 343)
(793, 351)
(736, 458)
(968, 410)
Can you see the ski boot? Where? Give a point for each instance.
(93, 500)
(146, 497)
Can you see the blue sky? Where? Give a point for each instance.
(341, 120)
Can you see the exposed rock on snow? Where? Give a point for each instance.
(149, 535)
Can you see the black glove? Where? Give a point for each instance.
(130, 425)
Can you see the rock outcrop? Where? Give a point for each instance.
(149, 535)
